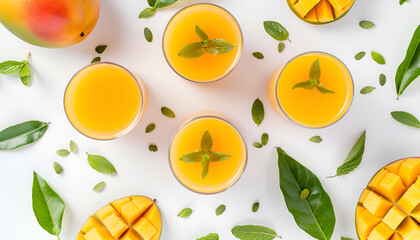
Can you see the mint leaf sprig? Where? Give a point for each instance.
(212, 46)
(23, 67)
(205, 156)
(154, 5)
(313, 82)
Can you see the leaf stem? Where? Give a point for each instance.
(154, 7)
(27, 57)
(332, 176)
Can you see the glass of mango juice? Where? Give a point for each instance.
(314, 103)
(217, 23)
(207, 153)
(104, 101)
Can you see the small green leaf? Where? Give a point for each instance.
(315, 72)
(346, 238)
(205, 162)
(99, 187)
(150, 128)
(101, 164)
(406, 118)
(206, 142)
(255, 207)
(153, 148)
(57, 168)
(73, 147)
(276, 30)
(257, 111)
(192, 157)
(25, 74)
(257, 145)
(192, 50)
(324, 90)
(359, 55)
(354, 158)
(264, 139)
(184, 213)
(101, 49)
(382, 79)
(63, 152)
(97, 59)
(367, 90)
(305, 85)
(366, 24)
(217, 157)
(254, 232)
(167, 112)
(148, 34)
(258, 55)
(281, 47)
(220, 210)
(377, 57)
(147, 12)
(201, 34)
(316, 139)
(304, 194)
(219, 46)
(211, 236)
(10, 67)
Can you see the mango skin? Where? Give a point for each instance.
(50, 23)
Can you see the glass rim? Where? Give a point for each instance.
(207, 115)
(277, 82)
(132, 124)
(238, 57)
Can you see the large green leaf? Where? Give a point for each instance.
(48, 207)
(22, 134)
(409, 69)
(315, 214)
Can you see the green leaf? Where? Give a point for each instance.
(220, 210)
(276, 30)
(377, 57)
(206, 141)
(314, 215)
(281, 47)
(148, 34)
(153, 148)
(255, 207)
(10, 67)
(99, 187)
(184, 213)
(316, 139)
(359, 55)
(305, 85)
(257, 111)
(161, 3)
(402, 2)
(167, 112)
(315, 72)
(211, 236)
(97, 59)
(192, 157)
(25, 74)
(73, 147)
(146, 13)
(382, 79)
(304, 194)
(366, 24)
(219, 46)
(409, 69)
(101, 164)
(257, 145)
(150, 128)
(354, 158)
(253, 232)
(48, 207)
(324, 90)
(258, 55)
(217, 157)
(205, 162)
(101, 49)
(57, 168)
(192, 50)
(367, 90)
(22, 134)
(406, 118)
(346, 238)
(264, 139)
(62, 152)
(201, 34)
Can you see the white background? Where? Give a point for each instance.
(144, 172)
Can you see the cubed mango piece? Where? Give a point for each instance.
(311, 16)
(90, 223)
(324, 11)
(376, 204)
(417, 183)
(409, 171)
(416, 214)
(293, 2)
(130, 212)
(396, 236)
(365, 222)
(145, 229)
(363, 195)
(304, 6)
(381, 232)
(105, 212)
(98, 234)
(142, 203)
(117, 204)
(392, 187)
(376, 180)
(409, 230)
(80, 236)
(130, 235)
(394, 217)
(115, 225)
(410, 199)
(394, 167)
(339, 4)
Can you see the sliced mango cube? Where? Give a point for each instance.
(324, 11)
(409, 171)
(130, 212)
(311, 16)
(115, 225)
(304, 6)
(376, 180)
(130, 235)
(90, 223)
(376, 204)
(339, 4)
(416, 214)
(396, 236)
(363, 196)
(392, 187)
(145, 229)
(105, 212)
(409, 230)
(394, 217)
(394, 167)
(98, 234)
(80, 236)
(381, 232)
(365, 222)
(117, 204)
(410, 199)
(142, 203)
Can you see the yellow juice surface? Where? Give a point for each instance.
(310, 108)
(226, 140)
(214, 21)
(103, 101)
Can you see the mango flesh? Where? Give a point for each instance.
(50, 23)
(389, 208)
(320, 11)
(129, 218)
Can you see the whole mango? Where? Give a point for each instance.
(50, 23)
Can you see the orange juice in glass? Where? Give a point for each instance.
(104, 101)
(207, 153)
(217, 24)
(300, 99)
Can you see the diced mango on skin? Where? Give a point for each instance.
(394, 217)
(409, 230)
(365, 222)
(115, 225)
(340, 13)
(363, 195)
(105, 212)
(410, 199)
(409, 171)
(117, 204)
(381, 232)
(130, 235)
(376, 204)
(304, 6)
(392, 187)
(145, 229)
(339, 4)
(130, 212)
(142, 203)
(98, 234)
(396, 236)
(311, 16)
(90, 223)
(324, 11)
(394, 167)
(154, 217)
(80, 236)
(376, 180)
